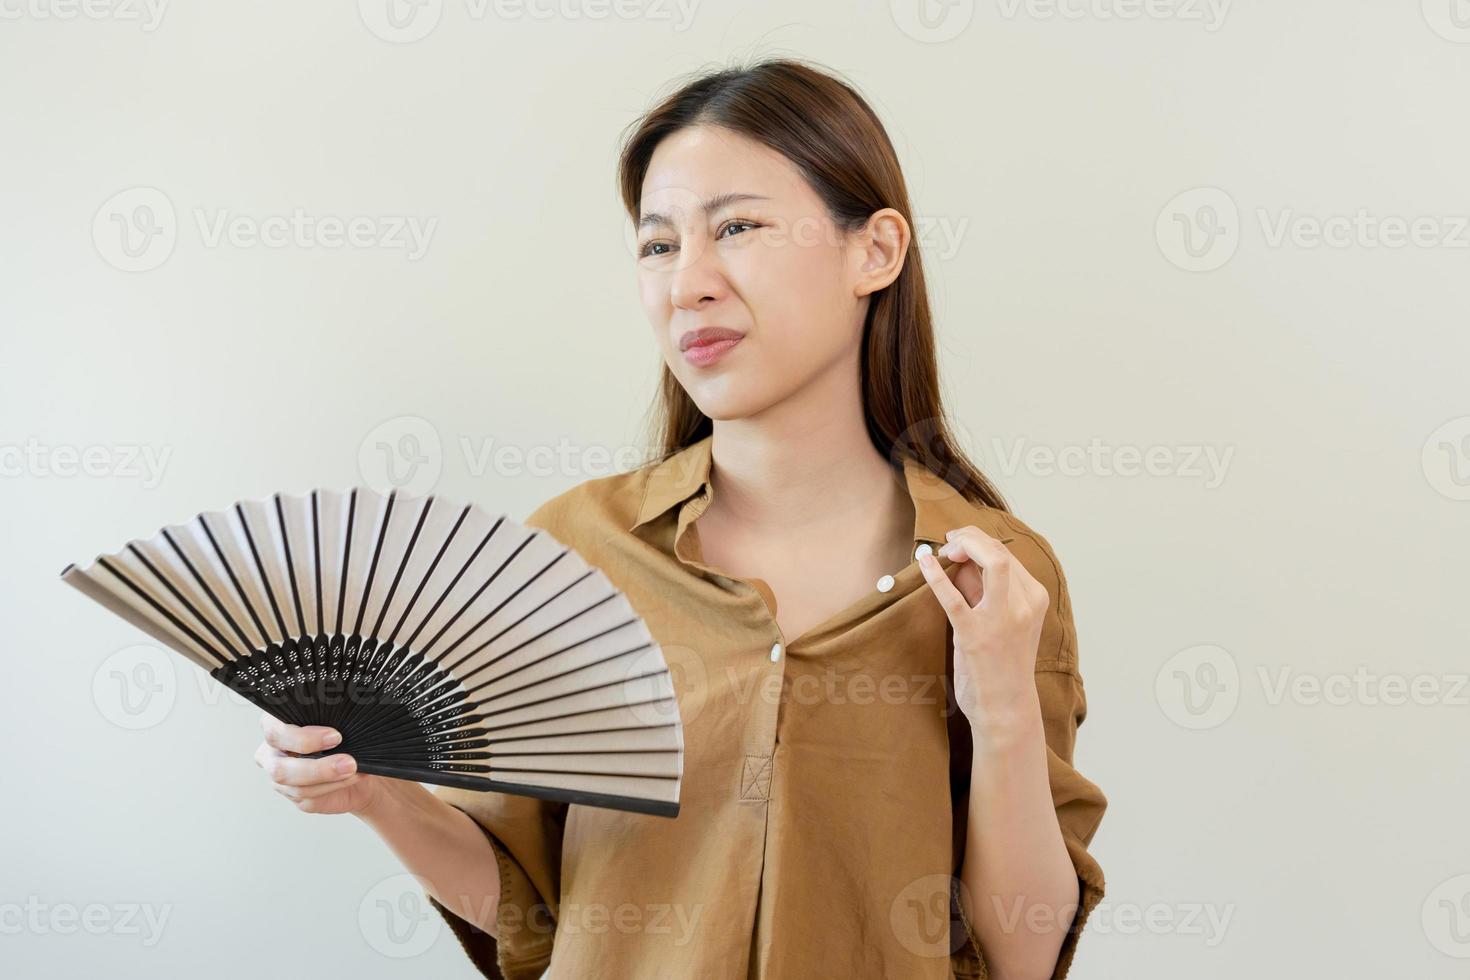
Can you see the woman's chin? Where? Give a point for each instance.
(723, 401)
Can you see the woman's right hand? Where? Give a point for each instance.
(330, 784)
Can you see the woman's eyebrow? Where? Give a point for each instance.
(710, 204)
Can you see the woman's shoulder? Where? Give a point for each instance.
(1031, 547)
(593, 510)
(940, 506)
(1035, 552)
(945, 508)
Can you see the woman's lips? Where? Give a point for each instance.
(703, 355)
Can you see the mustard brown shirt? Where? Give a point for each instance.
(824, 799)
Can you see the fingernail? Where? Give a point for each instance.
(331, 739)
(926, 559)
(345, 764)
(949, 534)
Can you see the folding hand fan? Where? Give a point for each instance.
(446, 644)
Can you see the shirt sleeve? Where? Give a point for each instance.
(1079, 803)
(526, 836)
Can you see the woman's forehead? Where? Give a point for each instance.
(696, 164)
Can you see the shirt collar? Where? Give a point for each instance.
(938, 506)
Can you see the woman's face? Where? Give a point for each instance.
(765, 261)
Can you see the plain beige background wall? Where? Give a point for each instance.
(1202, 274)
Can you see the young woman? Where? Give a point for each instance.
(875, 662)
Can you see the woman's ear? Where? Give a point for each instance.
(879, 248)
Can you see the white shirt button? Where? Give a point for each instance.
(775, 652)
(885, 583)
(922, 550)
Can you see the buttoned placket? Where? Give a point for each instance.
(760, 749)
(756, 771)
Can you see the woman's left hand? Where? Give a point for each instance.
(996, 609)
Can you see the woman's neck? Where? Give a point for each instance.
(806, 465)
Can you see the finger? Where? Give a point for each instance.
(299, 739)
(978, 532)
(309, 772)
(294, 738)
(316, 789)
(950, 598)
(1019, 573)
(958, 554)
(969, 543)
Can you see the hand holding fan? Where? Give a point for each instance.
(446, 644)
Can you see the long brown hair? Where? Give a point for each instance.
(823, 126)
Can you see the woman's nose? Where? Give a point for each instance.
(696, 282)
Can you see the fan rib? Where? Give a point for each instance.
(552, 677)
(316, 553)
(265, 581)
(453, 582)
(573, 714)
(179, 596)
(204, 585)
(367, 590)
(439, 658)
(533, 639)
(556, 653)
(589, 731)
(503, 603)
(162, 610)
(346, 558)
(568, 694)
(584, 772)
(234, 581)
(428, 572)
(413, 541)
(290, 566)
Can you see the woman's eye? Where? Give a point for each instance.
(653, 248)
